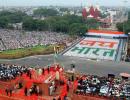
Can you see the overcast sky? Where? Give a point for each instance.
(62, 2)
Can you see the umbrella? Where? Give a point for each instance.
(124, 74)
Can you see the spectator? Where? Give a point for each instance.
(67, 88)
(8, 72)
(59, 98)
(43, 71)
(13, 39)
(25, 91)
(48, 69)
(10, 91)
(7, 91)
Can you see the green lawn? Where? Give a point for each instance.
(23, 52)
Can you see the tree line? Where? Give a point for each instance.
(68, 24)
(7, 17)
(124, 26)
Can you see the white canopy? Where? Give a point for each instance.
(102, 34)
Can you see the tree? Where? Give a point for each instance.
(119, 26)
(51, 22)
(129, 15)
(103, 15)
(92, 23)
(73, 19)
(28, 24)
(3, 22)
(17, 17)
(61, 26)
(64, 9)
(83, 30)
(13, 17)
(43, 12)
(78, 29)
(5, 13)
(41, 25)
(124, 27)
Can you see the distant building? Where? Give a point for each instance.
(91, 12)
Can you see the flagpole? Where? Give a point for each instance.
(54, 55)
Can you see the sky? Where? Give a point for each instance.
(63, 2)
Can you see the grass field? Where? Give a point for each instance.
(29, 51)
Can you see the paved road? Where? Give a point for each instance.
(82, 65)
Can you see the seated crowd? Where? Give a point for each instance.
(13, 39)
(8, 72)
(102, 86)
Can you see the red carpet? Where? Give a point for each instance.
(19, 94)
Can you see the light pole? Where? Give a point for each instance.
(124, 17)
(128, 45)
(123, 13)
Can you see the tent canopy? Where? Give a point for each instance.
(124, 74)
(106, 33)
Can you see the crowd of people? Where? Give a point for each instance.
(111, 86)
(103, 86)
(9, 72)
(23, 78)
(13, 39)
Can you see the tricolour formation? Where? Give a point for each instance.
(95, 48)
(103, 47)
